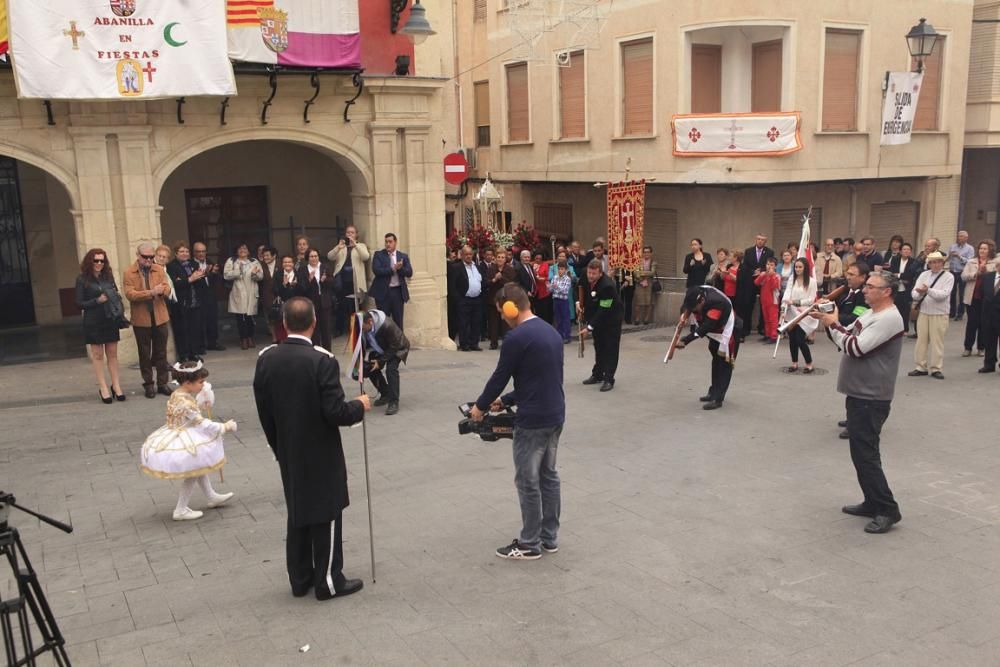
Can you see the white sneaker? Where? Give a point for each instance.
(187, 514)
(219, 499)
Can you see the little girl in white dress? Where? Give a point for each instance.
(188, 446)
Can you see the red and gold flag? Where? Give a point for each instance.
(626, 212)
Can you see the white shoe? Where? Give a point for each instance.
(187, 514)
(219, 499)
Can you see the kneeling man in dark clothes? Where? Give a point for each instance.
(532, 353)
(301, 405)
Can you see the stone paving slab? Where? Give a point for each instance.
(688, 538)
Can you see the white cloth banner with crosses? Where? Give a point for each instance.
(736, 135)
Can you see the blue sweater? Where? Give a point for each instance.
(532, 353)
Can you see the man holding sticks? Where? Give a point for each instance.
(718, 322)
(602, 310)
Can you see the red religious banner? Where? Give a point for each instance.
(626, 212)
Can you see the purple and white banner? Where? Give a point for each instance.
(299, 33)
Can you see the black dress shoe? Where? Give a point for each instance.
(150, 392)
(348, 587)
(858, 510)
(592, 380)
(392, 409)
(987, 370)
(712, 405)
(937, 375)
(608, 385)
(881, 524)
(106, 401)
(117, 396)
(845, 435)
(380, 401)
(474, 348)
(163, 389)
(842, 423)
(301, 592)
(706, 398)
(493, 346)
(217, 348)
(916, 373)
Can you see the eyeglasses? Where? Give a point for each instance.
(870, 286)
(98, 261)
(148, 257)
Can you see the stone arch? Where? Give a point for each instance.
(29, 156)
(354, 165)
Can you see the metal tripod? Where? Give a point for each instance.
(30, 599)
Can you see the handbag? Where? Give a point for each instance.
(114, 309)
(657, 286)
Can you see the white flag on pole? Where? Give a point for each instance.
(119, 49)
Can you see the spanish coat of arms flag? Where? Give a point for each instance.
(295, 33)
(119, 49)
(626, 215)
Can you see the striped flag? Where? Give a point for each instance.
(356, 339)
(295, 33)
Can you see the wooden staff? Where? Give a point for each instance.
(794, 322)
(781, 323)
(681, 323)
(579, 318)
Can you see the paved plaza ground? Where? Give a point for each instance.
(688, 537)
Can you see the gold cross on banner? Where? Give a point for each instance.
(74, 34)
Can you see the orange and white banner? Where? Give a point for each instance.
(736, 134)
(626, 213)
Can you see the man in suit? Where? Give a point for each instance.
(526, 274)
(301, 405)
(754, 263)
(991, 319)
(602, 310)
(270, 266)
(387, 347)
(487, 266)
(205, 293)
(147, 287)
(467, 286)
(391, 268)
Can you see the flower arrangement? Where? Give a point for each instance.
(524, 238)
(479, 238)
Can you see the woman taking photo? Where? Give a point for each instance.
(696, 265)
(972, 276)
(185, 317)
(103, 314)
(244, 273)
(645, 275)
(798, 298)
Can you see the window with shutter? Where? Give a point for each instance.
(765, 84)
(554, 219)
(660, 231)
(482, 111)
(895, 217)
(573, 98)
(840, 80)
(706, 78)
(479, 11)
(929, 102)
(637, 87)
(517, 102)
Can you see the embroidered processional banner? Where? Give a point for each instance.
(626, 213)
(736, 134)
(900, 107)
(119, 49)
(300, 33)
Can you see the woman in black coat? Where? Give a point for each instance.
(316, 283)
(97, 296)
(907, 268)
(696, 265)
(186, 316)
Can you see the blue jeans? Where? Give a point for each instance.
(537, 484)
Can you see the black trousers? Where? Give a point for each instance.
(628, 296)
(152, 345)
(956, 305)
(722, 371)
(386, 378)
(991, 335)
(315, 556)
(607, 341)
(543, 308)
(974, 325)
(470, 314)
(392, 305)
(904, 304)
(797, 342)
(744, 310)
(188, 327)
(245, 325)
(864, 424)
(321, 334)
(210, 336)
(495, 325)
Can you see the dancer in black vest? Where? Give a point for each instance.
(603, 312)
(713, 311)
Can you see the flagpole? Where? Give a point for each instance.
(358, 322)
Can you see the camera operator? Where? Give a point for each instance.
(532, 353)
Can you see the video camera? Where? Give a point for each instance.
(493, 426)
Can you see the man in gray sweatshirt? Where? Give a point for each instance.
(871, 347)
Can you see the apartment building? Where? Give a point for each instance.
(547, 127)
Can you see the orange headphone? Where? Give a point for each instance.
(509, 308)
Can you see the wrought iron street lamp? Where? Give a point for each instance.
(920, 41)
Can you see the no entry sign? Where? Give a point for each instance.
(456, 169)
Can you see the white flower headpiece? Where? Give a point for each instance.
(197, 367)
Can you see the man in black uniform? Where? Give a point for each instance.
(602, 311)
(850, 307)
(716, 321)
(301, 405)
